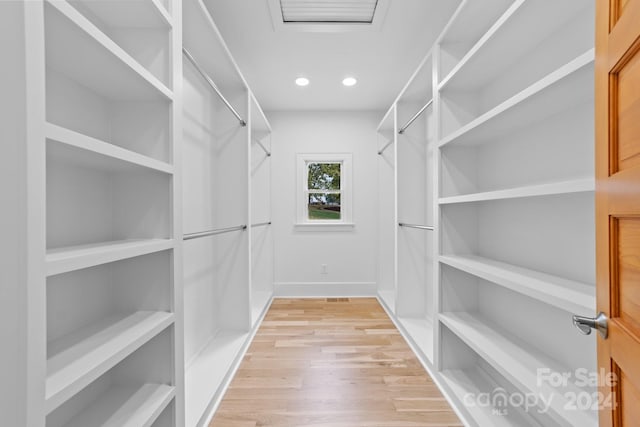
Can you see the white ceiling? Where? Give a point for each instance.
(382, 60)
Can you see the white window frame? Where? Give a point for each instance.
(346, 191)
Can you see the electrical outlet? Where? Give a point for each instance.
(324, 269)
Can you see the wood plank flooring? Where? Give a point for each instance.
(331, 363)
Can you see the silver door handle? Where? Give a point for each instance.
(586, 324)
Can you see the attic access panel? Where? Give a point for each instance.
(328, 11)
(328, 16)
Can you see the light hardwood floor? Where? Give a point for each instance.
(331, 363)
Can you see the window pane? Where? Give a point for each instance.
(324, 176)
(324, 206)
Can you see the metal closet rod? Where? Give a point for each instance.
(190, 236)
(262, 146)
(385, 147)
(261, 224)
(420, 227)
(415, 116)
(204, 75)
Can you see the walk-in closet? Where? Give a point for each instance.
(221, 213)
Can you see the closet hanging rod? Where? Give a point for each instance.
(190, 236)
(263, 147)
(420, 227)
(204, 75)
(385, 147)
(261, 224)
(415, 116)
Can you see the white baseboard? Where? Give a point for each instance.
(324, 289)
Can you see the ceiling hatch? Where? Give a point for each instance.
(328, 15)
(328, 11)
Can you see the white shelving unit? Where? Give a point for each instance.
(387, 213)
(412, 184)
(103, 135)
(416, 145)
(468, 24)
(106, 68)
(228, 277)
(515, 40)
(209, 372)
(406, 175)
(516, 207)
(262, 244)
(79, 358)
(508, 183)
(139, 28)
(110, 312)
(519, 362)
(556, 92)
(515, 52)
(475, 381)
(127, 407)
(128, 392)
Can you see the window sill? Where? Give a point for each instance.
(324, 226)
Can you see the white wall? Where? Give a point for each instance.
(350, 255)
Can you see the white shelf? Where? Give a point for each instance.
(568, 295)
(565, 187)
(520, 29)
(556, 92)
(78, 49)
(388, 298)
(79, 358)
(471, 21)
(519, 362)
(213, 57)
(62, 260)
(474, 382)
(126, 407)
(483, 41)
(467, 27)
(208, 370)
(96, 154)
(129, 14)
(259, 303)
(420, 330)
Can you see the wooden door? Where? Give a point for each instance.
(618, 206)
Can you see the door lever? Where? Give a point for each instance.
(586, 324)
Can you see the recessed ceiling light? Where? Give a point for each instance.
(349, 81)
(302, 81)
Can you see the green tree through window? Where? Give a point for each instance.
(323, 187)
(324, 176)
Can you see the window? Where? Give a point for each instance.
(324, 189)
